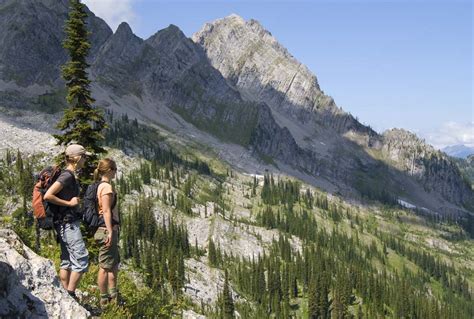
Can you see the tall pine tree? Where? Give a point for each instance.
(81, 123)
(227, 301)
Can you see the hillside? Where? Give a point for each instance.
(229, 100)
(275, 235)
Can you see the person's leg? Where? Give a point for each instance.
(65, 267)
(103, 274)
(74, 280)
(78, 255)
(102, 282)
(113, 277)
(114, 261)
(113, 293)
(64, 275)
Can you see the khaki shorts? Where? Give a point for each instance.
(109, 257)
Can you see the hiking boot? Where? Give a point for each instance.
(73, 295)
(104, 301)
(115, 298)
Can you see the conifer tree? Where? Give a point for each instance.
(227, 301)
(81, 122)
(212, 253)
(313, 298)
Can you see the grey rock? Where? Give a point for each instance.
(33, 31)
(205, 283)
(29, 287)
(434, 169)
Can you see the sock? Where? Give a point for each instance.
(104, 296)
(113, 292)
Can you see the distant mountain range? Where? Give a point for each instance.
(231, 87)
(460, 150)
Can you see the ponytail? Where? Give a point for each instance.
(73, 160)
(103, 167)
(96, 175)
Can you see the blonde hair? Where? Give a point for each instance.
(72, 159)
(105, 165)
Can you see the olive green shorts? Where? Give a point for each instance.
(109, 257)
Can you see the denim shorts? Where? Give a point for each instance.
(74, 254)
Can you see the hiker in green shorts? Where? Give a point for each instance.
(107, 233)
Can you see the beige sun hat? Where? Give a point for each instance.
(76, 150)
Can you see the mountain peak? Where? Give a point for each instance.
(234, 17)
(402, 135)
(172, 33)
(173, 28)
(258, 65)
(124, 27)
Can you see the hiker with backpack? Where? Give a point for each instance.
(107, 234)
(63, 196)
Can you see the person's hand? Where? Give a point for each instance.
(74, 202)
(108, 240)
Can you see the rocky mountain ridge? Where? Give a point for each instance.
(223, 86)
(255, 63)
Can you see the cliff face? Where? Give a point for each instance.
(263, 70)
(31, 40)
(29, 286)
(434, 169)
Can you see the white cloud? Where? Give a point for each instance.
(112, 11)
(451, 133)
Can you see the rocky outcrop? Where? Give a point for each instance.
(31, 40)
(29, 287)
(434, 169)
(204, 282)
(264, 71)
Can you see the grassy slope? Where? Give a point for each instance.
(409, 228)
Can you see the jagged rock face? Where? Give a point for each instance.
(254, 61)
(406, 150)
(432, 168)
(174, 70)
(117, 59)
(29, 287)
(31, 41)
(270, 140)
(31, 38)
(205, 282)
(264, 71)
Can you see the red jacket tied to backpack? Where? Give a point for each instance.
(43, 210)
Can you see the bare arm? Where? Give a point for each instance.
(51, 197)
(107, 211)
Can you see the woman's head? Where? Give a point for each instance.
(76, 155)
(106, 167)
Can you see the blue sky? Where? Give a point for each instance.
(405, 64)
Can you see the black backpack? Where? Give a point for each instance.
(90, 208)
